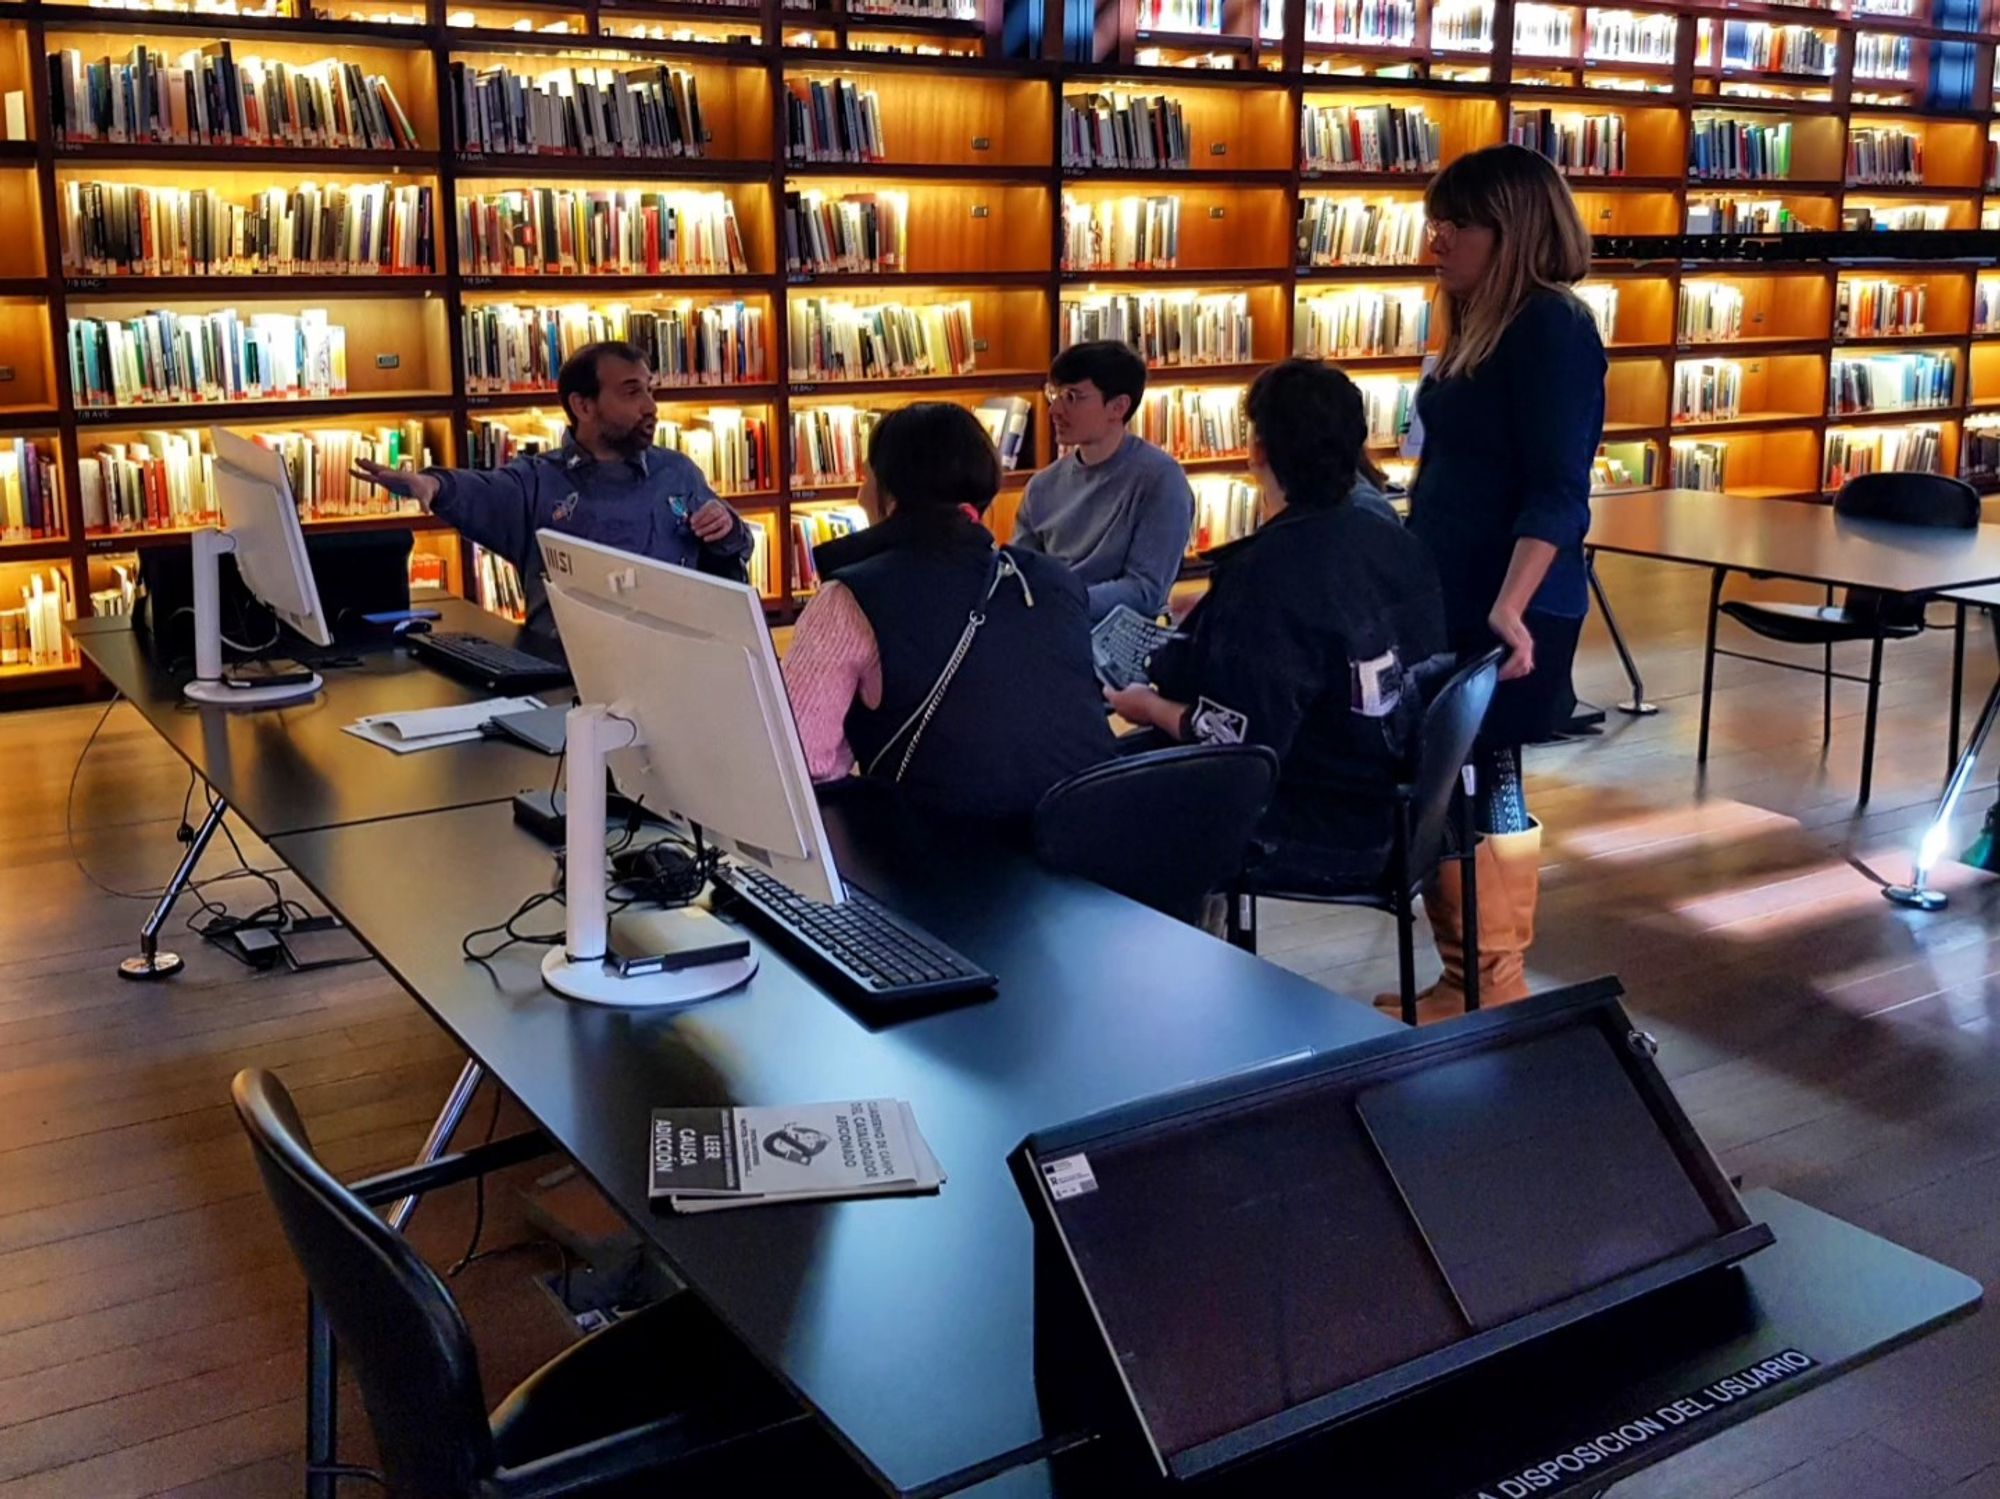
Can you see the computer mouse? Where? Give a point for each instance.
(404, 627)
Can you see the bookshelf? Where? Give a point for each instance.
(895, 200)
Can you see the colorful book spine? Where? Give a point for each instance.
(1879, 309)
(168, 357)
(1169, 329)
(1369, 138)
(120, 229)
(1194, 422)
(1699, 465)
(828, 234)
(648, 112)
(1337, 231)
(599, 231)
(1121, 234)
(1710, 312)
(1909, 381)
(832, 120)
(840, 340)
(1854, 451)
(1363, 323)
(510, 348)
(1124, 130)
(1707, 390)
(1580, 145)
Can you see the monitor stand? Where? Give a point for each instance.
(208, 687)
(577, 969)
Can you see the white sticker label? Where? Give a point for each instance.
(1069, 1177)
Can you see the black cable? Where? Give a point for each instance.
(478, 1196)
(69, 813)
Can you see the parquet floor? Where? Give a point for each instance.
(1825, 1043)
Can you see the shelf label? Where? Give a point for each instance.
(803, 278)
(6, 373)
(95, 414)
(979, 346)
(805, 494)
(388, 361)
(980, 211)
(1217, 211)
(472, 401)
(803, 390)
(1218, 148)
(982, 143)
(84, 283)
(475, 281)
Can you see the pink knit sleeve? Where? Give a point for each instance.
(832, 661)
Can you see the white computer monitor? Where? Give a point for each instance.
(260, 528)
(681, 695)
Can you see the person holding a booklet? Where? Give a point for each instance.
(1312, 636)
(607, 483)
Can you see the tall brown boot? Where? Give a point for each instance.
(1517, 862)
(1508, 869)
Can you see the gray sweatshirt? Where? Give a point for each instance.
(1122, 525)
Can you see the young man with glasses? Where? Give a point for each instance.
(1115, 508)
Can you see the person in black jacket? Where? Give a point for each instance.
(933, 657)
(1310, 635)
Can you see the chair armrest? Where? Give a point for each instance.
(446, 1170)
(655, 1447)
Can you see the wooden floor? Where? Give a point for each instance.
(1825, 1043)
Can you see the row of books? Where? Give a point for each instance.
(496, 584)
(1709, 312)
(1388, 401)
(342, 229)
(1624, 465)
(1180, 15)
(1373, 23)
(1857, 451)
(1627, 36)
(832, 120)
(1363, 323)
(1543, 30)
(731, 446)
(1878, 309)
(1698, 465)
(1772, 48)
(1884, 154)
(1124, 130)
(1121, 234)
(1986, 305)
(171, 357)
(1355, 231)
(839, 340)
(1579, 144)
(848, 232)
(1741, 216)
(1707, 390)
(1369, 138)
(119, 599)
(1169, 330)
(811, 528)
(1893, 382)
(1225, 509)
(30, 501)
(33, 634)
(1463, 25)
(166, 479)
(522, 348)
(652, 112)
(1979, 453)
(1719, 146)
(830, 443)
(599, 231)
(1896, 218)
(207, 97)
(1881, 54)
(1601, 298)
(1194, 422)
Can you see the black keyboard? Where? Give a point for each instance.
(881, 964)
(474, 658)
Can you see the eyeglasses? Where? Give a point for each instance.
(1069, 396)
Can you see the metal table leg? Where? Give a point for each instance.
(151, 962)
(1636, 705)
(1917, 894)
(456, 1103)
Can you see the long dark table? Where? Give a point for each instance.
(284, 770)
(908, 1324)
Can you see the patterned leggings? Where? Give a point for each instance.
(1503, 802)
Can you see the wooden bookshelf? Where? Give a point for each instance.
(972, 147)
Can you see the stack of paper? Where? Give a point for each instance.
(429, 728)
(708, 1158)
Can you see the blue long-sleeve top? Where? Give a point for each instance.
(1507, 453)
(641, 504)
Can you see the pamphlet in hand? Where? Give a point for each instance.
(1122, 645)
(708, 1158)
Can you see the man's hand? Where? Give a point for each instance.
(713, 522)
(1142, 707)
(1512, 631)
(420, 487)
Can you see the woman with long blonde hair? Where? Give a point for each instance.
(1512, 416)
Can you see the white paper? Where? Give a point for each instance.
(430, 728)
(926, 1176)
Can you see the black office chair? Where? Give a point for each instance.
(1930, 500)
(1166, 827)
(663, 1392)
(1427, 804)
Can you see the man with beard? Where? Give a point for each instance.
(607, 483)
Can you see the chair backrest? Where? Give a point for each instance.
(1910, 500)
(1444, 743)
(1165, 827)
(393, 1321)
(1931, 500)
